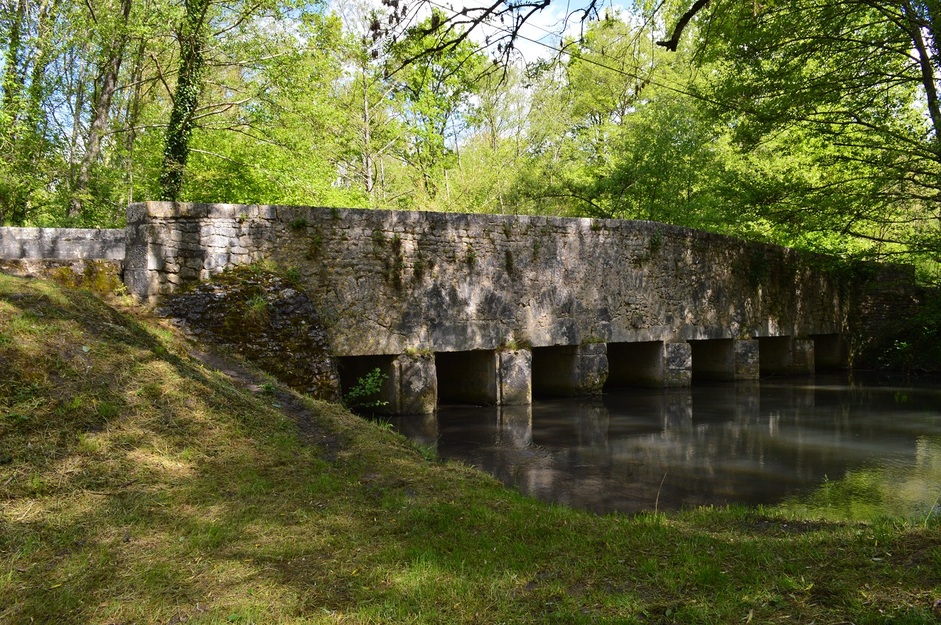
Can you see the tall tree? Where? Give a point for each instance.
(373, 131)
(24, 130)
(851, 88)
(272, 128)
(435, 92)
(193, 37)
(111, 55)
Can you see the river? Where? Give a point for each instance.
(826, 445)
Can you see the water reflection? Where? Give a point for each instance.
(803, 442)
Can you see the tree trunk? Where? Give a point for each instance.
(185, 99)
(12, 79)
(928, 78)
(367, 138)
(132, 114)
(101, 109)
(25, 137)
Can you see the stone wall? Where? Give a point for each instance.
(389, 282)
(86, 258)
(261, 317)
(61, 244)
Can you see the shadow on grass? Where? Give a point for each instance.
(192, 500)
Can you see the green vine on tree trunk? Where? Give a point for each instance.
(185, 100)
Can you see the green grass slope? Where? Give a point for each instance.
(139, 485)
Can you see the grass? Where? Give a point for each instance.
(138, 485)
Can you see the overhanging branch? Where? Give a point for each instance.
(674, 41)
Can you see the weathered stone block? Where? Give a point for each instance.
(679, 364)
(156, 258)
(416, 384)
(516, 372)
(61, 244)
(216, 261)
(745, 355)
(803, 355)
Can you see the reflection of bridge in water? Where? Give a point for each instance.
(710, 444)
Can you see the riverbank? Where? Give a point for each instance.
(143, 481)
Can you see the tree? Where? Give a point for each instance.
(193, 40)
(372, 131)
(434, 93)
(111, 56)
(235, 41)
(851, 88)
(25, 139)
(841, 95)
(285, 140)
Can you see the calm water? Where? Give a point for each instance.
(823, 445)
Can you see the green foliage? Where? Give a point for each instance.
(831, 95)
(912, 343)
(293, 276)
(433, 89)
(808, 124)
(257, 310)
(364, 394)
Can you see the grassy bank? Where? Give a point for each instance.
(139, 485)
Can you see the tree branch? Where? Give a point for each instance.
(672, 43)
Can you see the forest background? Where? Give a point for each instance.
(809, 123)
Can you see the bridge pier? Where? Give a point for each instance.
(570, 370)
(415, 384)
(515, 377)
(786, 355)
(678, 359)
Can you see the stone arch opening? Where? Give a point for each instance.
(829, 352)
(569, 370)
(354, 370)
(640, 364)
(467, 377)
(713, 359)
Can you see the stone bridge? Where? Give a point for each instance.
(491, 309)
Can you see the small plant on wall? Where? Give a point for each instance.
(257, 310)
(363, 396)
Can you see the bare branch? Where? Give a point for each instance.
(674, 41)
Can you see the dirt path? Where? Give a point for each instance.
(287, 401)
